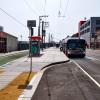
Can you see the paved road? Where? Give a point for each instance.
(77, 80)
(66, 82)
(91, 66)
(93, 53)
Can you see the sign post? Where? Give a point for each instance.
(30, 25)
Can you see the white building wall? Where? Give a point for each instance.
(11, 43)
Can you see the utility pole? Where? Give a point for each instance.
(42, 34)
(39, 27)
(49, 39)
(95, 41)
(43, 28)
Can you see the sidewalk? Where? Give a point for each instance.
(51, 55)
(14, 68)
(93, 53)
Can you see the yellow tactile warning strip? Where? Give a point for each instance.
(16, 87)
(1, 70)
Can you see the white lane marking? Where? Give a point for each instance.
(87, 74)
(92, 58)
(27, 93)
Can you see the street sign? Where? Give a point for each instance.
(31, 23)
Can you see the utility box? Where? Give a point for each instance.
(35, 45)
(35, 48)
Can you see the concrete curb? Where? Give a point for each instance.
(28, 93)
(55, 63)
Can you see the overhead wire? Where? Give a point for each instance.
(66, 9)
(29, 6)
(59, 13)
(45, 7)
(12, 17)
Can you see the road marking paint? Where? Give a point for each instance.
(92, 58)
(27, 93)
(87, 74)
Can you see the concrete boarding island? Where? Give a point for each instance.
(48, 57)
(60, 81)
(14, 68)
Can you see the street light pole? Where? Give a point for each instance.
(39, 26)
(95, 40)
(42, 34)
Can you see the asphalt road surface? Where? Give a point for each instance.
(69, 82)
(91, 66)
(93, 53)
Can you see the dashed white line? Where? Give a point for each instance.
(87, 74)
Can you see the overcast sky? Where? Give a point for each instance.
(60, 27)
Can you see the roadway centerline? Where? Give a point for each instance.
(87, 74)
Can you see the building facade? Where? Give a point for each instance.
(8, 42)
(90, 31)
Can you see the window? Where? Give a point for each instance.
(97, 22)
(88, 30)
(88, 23)
(85, 31)
(85, 25)
(97, 28)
